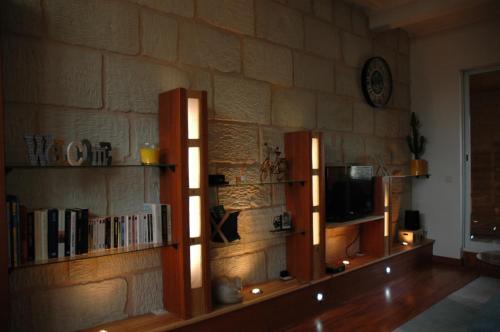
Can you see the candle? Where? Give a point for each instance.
(150, 154)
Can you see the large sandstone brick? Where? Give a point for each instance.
(178, 7)
(36, 277)
(251, 268)
(152, 185)
(237, 15)
(348, 81)
(353, 147)
(267, 62)
(279, 24)
(242, 100)
(146, 292)
(22, 16)
(404, 124)
(60, 188)
(274, 137)
(47, 73)
(202, 81)
(126, 191)
(403, 42)
(360, 23)
(378, 147)
(254, 225)
(142, 129)
(218, 251)
(159, 36)
(389, 56)
(243, 197)
(403, 68)
(232, 143)
(356, 50)
(304, 5)
(323, 9)
(119, 265)
(334, 113)
(293, 108)
(401, 95)
(207, 47)
(20, 120)
(400, 153)
(132, 85)
(81, 271)
(312, 72)
(342, 15)
(388, 38)
(70, 125)
(332, 143)
(111, 25)
(77, 307)
(322, 38)
(387, 123)
(275, 261)
(363, 118)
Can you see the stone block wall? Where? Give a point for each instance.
(93, 69)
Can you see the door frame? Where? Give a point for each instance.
(467, 243)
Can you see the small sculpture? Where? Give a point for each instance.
(277, 167)
(227, 290)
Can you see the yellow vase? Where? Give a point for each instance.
(150, 154)
(418, 167)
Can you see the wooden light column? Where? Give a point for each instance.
(306, 252)
(4, 275)
(183, 142)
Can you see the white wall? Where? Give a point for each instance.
(437, 65)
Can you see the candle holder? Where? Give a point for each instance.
(150, 154)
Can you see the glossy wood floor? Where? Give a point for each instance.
(387, 307)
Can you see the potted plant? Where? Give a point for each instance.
(416, 143)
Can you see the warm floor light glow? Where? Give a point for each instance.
(386, 224)
(315, 190)
(193, 118)
(319, 297)
(346, 262)
(256, 291)
(194, 216)
(103, 330)
(194, 167)
(316, 235)
(315, 153)
(195, 255)
(388, 270)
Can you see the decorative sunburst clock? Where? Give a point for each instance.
(376, 82)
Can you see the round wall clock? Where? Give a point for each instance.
(376, 82)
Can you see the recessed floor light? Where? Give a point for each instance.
(388, 270)
(256, 291)
(319, 296)
(346, 262)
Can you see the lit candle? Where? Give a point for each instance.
(150, 154)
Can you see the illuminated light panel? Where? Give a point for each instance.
(316, 237)
(386, 224)
(193, 118)
(319, 297)
(194, 216)
(196, 273)
(315, 190)
(315, 153)
(194, 167)
(256, 291)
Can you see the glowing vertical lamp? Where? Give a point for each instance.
(315, 154)
(194, 201)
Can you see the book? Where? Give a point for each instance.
(82, 223)
(69, 234)
(23, 214)
(31, 236)
(15, 238)
(9, 235)
(61, 232)
(52, 232)
(41, 246)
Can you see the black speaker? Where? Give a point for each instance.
(412, 220)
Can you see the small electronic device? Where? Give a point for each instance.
(411, 237)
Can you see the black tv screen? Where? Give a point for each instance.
(349, 192)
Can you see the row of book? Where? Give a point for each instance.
(55, 233)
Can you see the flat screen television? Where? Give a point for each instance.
(349, 192)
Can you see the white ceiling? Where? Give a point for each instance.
(423, 17)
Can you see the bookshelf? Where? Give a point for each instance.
(4, 276)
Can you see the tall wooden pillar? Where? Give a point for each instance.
(186, 275)
(306, 251)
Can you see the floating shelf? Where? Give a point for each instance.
(408, 176)
(288, 231)
(99, 253)
(353, 222)
(8, 168)
(245, 184)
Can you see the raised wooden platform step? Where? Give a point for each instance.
(285, 303)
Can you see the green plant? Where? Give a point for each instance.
(416, 142)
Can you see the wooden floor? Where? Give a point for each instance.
(387, 307)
